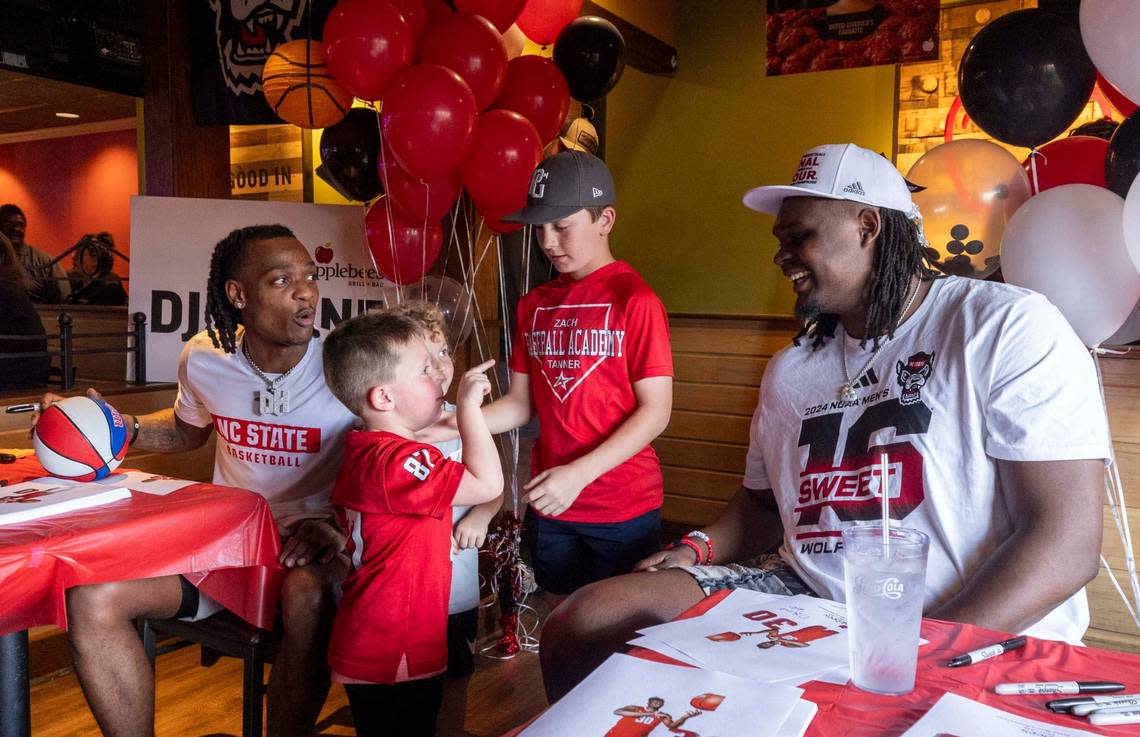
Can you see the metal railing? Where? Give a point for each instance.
(67, 352)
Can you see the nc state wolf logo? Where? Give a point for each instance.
(247, 31)
(912, 376)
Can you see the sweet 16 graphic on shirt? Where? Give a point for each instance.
(842, 472)
(265, 443)
(570, 342)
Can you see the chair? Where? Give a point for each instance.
(223, 635)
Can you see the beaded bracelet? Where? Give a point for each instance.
(706, 540)
(689, 544)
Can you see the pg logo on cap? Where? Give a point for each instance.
(537, 188)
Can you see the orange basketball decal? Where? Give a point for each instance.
(298, 86)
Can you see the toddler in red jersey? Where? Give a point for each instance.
(393, 496)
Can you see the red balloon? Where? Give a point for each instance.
(367, 41)
(428, 119)
(1123, 105)
(492, 220)
(470, 46)
(437, 9)
(536, 89)
(416, 199)
(1072, 160)
(415, 15)
(541, 20)
(403, 251)
(504, 151)
(500, 12)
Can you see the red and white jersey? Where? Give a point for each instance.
(393, 497)
(290, 459)
(638, 726)
(583, 344)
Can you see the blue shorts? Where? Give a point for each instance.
(568, 555)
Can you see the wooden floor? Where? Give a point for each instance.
(192, 701)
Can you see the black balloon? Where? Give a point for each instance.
(1122, 162)
(591, 54)
(350, 153)
(1025, 77)
(1070, 10)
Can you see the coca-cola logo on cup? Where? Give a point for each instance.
(884, 588)
(889, 588)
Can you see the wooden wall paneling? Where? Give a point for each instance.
(182, 158)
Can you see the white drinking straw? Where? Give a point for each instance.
(886, 498)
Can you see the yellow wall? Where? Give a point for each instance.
(684, 150)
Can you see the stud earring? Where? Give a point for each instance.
(239, 305)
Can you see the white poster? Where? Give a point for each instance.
(789, 639)
(631, 697)
(172, 239)
(955, 715)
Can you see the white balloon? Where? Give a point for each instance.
(1068, 244)
(1129, 332)
(1132, 222)
(1111, 32)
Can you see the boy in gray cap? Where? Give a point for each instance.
(591, 357)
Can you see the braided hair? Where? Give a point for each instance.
(222, 318)
(899, 256)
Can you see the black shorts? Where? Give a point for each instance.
(462, 628)
(568, 555)
(190, 598)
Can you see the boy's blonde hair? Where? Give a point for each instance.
(363, 351)
(427, 314)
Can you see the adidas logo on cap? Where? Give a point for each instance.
(855, 188)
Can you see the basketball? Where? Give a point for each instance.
(298, 85)
(80, 438)
(707, 701)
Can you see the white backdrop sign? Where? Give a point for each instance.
(172, 239)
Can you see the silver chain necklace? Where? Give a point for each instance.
(272, 401)
(847, 390)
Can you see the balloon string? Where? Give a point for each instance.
(1117, 503)
(1033, 154)
(388, 212)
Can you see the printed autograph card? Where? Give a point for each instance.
(775, 639)
(632, 697)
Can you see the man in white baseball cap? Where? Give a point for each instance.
(980, 395)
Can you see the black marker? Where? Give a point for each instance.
(985, 653)
(13, 409)
(1051, 687)
(1082, 705)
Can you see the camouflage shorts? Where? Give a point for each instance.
(768, 574)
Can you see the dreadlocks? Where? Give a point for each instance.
(898, 257)
(222, 318)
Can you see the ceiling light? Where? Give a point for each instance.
(67, 115)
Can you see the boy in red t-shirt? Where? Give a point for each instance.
(592, 358)
(393, 496)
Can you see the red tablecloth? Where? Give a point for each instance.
(845, 711)
(223, 539)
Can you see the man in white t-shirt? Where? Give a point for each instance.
(257, 379)
(980, 394)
